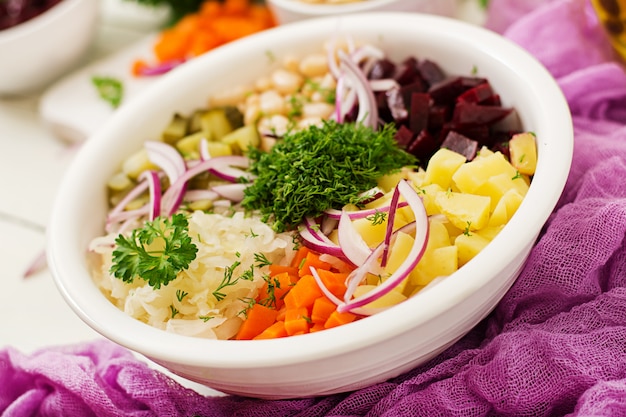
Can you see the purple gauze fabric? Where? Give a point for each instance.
(554, 346)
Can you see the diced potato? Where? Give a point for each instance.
(398, 254)
(388, 182)
(483, 152)
(189, 146)
(495, 187)
(469, 245)
(438, 262)
(465, 211)
(373, 232)
(441, 166)
(137, 163)
(512, 199)
(416, 177)
(429, 194)
(523, 151)
(470, 176)
(392, 298)
(490, 232)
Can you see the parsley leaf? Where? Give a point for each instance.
(110, 90)
(156, 253)
(319, 168)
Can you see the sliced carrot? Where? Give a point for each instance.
(322, 309)
(337, 319)
(312, 259)
(275, 331)
(258, 318)
(304, 293)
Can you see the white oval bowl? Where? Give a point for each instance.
(36, 52)
(366, 351)
(288, 11)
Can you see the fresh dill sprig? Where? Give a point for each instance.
(323, 167)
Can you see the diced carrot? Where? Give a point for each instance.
(337, 319)
(322, 309)
(272, 293)
(334, 281)
(297, 260)
(275, 331)
(210, 9)
(258, 318)
(304, 293)
(282, 312)
(312, 259)
(236, 6)
(138, 66)
(277, 269)
(317, 327)
(297, 320)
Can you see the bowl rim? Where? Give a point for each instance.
(269, 353)
(313, 10)
(36, 23)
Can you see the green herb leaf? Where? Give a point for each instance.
(110, 89)
(319, 168)
(156, 253)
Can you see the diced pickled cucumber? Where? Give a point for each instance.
(215, 124)
(137, 163)
(119, 182)
(243, 138)
(176, 130)
(189, 146)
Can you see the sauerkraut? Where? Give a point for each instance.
(188, 305)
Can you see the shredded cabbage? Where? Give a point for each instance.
(187, 305)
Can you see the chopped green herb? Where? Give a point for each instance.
(180, 294)
(517, 175)
(466, 232)
(205, 318)
(227, 281)
(319, 168)
(377, 218)
(261, 260)
(110, 90)
(155, 253)
(174, 311)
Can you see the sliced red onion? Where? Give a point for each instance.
(328, 225)
(369, 266)
(154, 185)
(383, 85)
(161, 68)
(360, 214)
(233, 192)
(129, 215)
(391, 219)
(224, 167)
(368, 110)
(354, 247)
(323, 247)
(413, 258)
(197, 195)
(204, 149)
(130, 196)
(36, 265)
(167, 158)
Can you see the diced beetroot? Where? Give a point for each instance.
(502, 147)
(430, 72)
(382, 68)
(423, 146)
(404, 136)
(470, 114)
(478, 94)
(419, 111)
(438, 116)
(461, 144)
(406, 72)
(479, 133)
(445, 92)
(494, 100)
(408, 90)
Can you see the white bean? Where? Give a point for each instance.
(314, 65)
(286, 82)
(271, 102)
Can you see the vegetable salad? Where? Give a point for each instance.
(267, 215)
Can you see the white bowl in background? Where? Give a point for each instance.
(366, 351)
(287, 11)
(38, 51)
